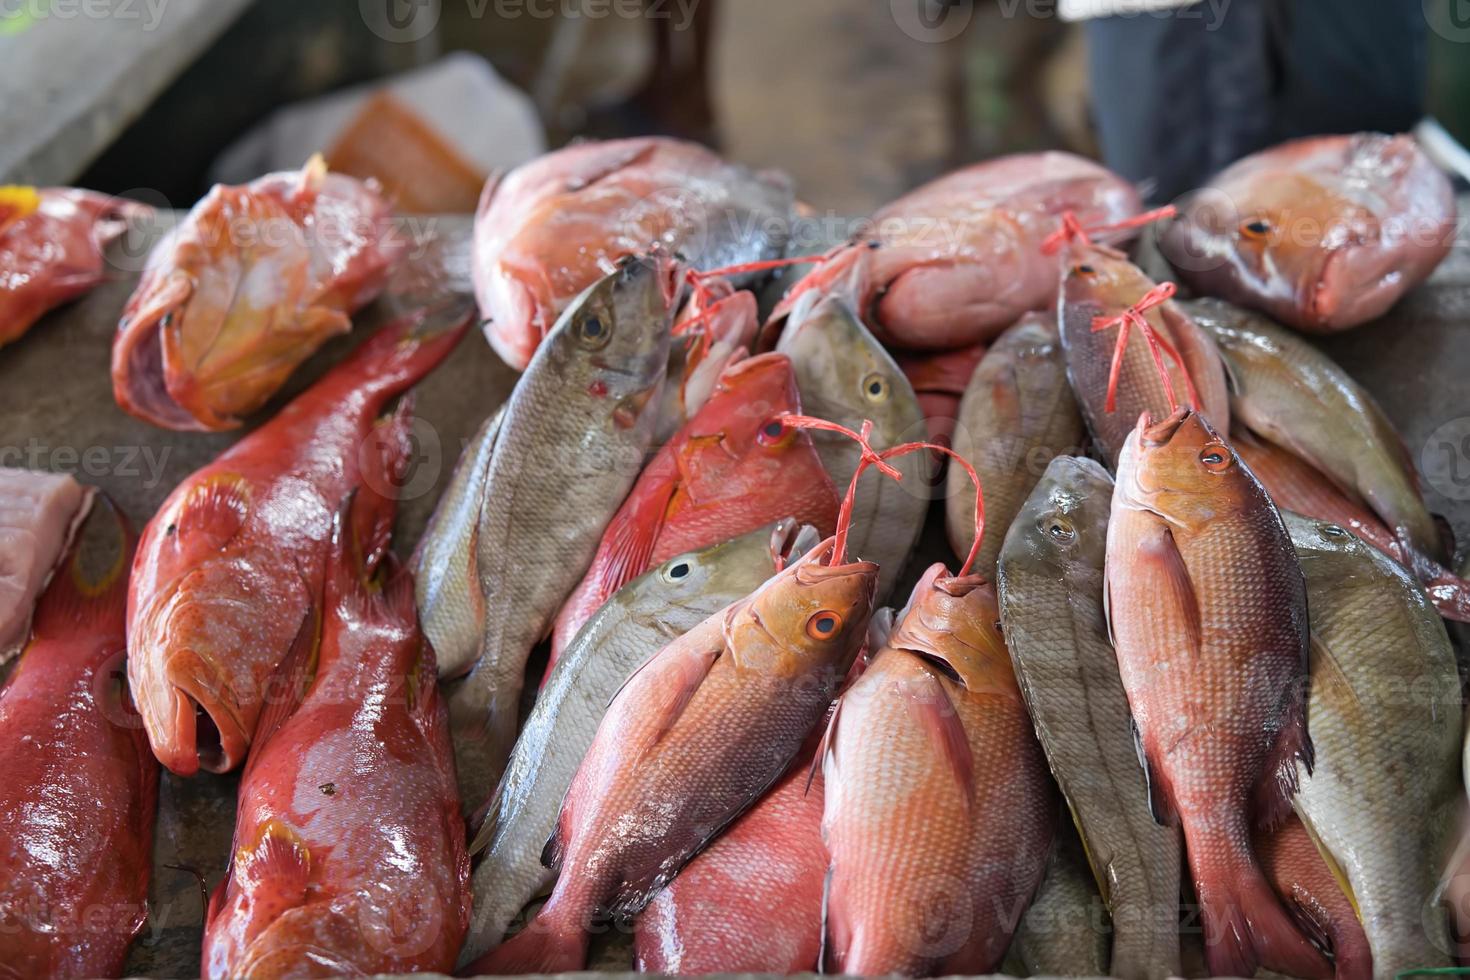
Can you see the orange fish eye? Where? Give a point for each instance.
(1084, 270)
(773, 433)
(1255, 229)
(823, 625)
(1216, 458)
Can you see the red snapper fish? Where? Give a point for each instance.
(733, 468)
(349, 846)
(939, 381)
(552, 227)
(228, 575)
(80, 787)
(956, 261)
(51, 245)
(244, 289)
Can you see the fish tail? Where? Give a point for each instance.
(552, 943)
(1245, 924)
(90, 589)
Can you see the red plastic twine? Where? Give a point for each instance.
(872, 457)
(1072, 230)
(1158, 346)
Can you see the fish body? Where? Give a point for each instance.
(733, 468)
(939, 811)
(939, 381)
(714, 329)
(958, 260)
(38, 514)
(80, 788)
(752, 901)
(845, 376)
(1384, 796)
(1017, 415)
(572, 442)
(244, 289)
(51, 249)
(1208, 612)
(1322, 233)
(228, 574)
(690, 742)
(1064, 932)
(1097, 281)
(349, 846)
(1307, 885)
(553, 226)
(1050, 581)
(640, 619)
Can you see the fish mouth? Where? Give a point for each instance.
(790, 541)
(1158, 434)
(200, 731)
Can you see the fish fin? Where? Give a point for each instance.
(1167, 583)
(1160, 796)
(214, 511)
(824, 747)
(547, 945)
(826, 906)
(671, 698)
(630, 537)
(555, 849)
(1279, 778)
(487, 821)
(936, 714)
(90, 587)
(276, 869)
(289, 682)
(1246, 925)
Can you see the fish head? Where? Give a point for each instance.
(810, 617)
(743, 415)
(846, 375)
(953, 624)
(1183, 470)
(719, 568)
(1063, 523)
(614, 337)
(1099, 279)
(1313, 538)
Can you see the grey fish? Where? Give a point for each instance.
(845, 376)
(1050, 580)
(639, 620)
(1063, 933)
(1384, 705)
(574, 437)
(445, 564)
(1017, 415)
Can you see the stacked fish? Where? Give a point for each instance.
(1185, 704)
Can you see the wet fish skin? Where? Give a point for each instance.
(1384, 702)
(80, 790)
(1064, 932)
(1017, 415)
(641, 618)
(846, 376)
(1050, 582)
(939, 381)
(576, 430)
(1207, 607)
(1290, 393)
(1098, 281)
(939, 812)
(692, 740)
(39, 513)
(1322, 233)
(1306, 884)
(228, 573)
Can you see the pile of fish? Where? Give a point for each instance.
(668, 657)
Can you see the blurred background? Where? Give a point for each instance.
(857, 99)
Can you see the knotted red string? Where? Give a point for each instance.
(1072, 229)
(1158, 346)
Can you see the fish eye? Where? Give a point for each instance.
(876, 387)
(1332, 530)
(1255, 228)
(593, 332)
(677, 571)
(823, 625)
(1084, 270)
(1215, 457)
(1058, 528)
(772, 433)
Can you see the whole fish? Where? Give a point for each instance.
(1208, 612)
(349, 853)
(939, 811)
(1308, 886)
(569, 448)
(80, 787)
(1322, 233)
(244, 289)
(1050, 579)
(1016, 416)
(1384, 700)
(39, 513)
(553, 226)
(845, 376)
(641, 618)
(228, 575)
(733, 468)
(939, 380)
(692, 740)
(959, 259)
(1063, 933)
(51, 248)
(752, 901)
(1098, 281)
(1290, 393)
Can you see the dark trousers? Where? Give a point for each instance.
(1179, 94)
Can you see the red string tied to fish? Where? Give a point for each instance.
(1073, 230)
(1158, 345)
